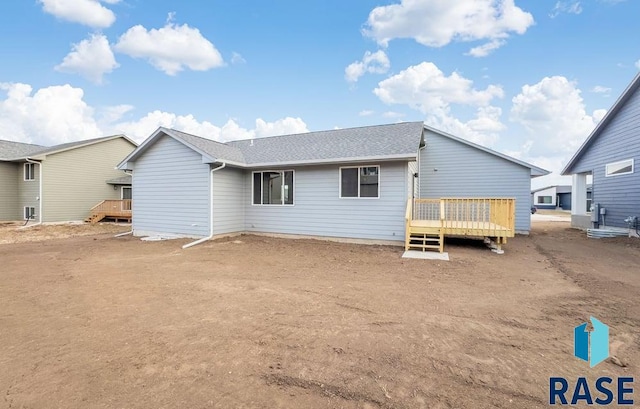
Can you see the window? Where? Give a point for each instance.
(624, 167)
(29, 171)
(273, 188)
(544, 199)
(29, 213)
(362, 181)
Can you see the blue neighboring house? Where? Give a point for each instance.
(609, 156)
(344, 183)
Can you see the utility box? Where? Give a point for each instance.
(595, 215)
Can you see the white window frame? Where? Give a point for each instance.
(608, 174)
(24, 212)
(358, 167)
(32, 172)
(282, 171)
(543, 202)
(122, 188)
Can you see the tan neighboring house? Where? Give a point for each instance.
(62, 182)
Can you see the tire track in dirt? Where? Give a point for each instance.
(324, 389)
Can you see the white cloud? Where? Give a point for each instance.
(483, 129)
(141, 128)
(59, 114)
(598, 114)
(170, 48)
(427, 89)
(282, 126)
(599, 89)
(556, 118)
(51, 115)
(436, 23)
(374, 63)
(553, 111)
(486, 49)
(366, 112)
(638, 64)
(237, 58)
(91, 58)
(569, 7)
(87, 12)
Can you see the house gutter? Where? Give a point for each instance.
(128, 232)
(210, 236)
(39, 189)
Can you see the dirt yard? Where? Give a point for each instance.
(254, 322)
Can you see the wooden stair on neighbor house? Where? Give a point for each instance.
(112, 209)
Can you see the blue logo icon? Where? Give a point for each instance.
(592, 347)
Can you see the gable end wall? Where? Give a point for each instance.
(464, 171)
(170, 191)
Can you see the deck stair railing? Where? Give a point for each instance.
(113, 209)
(429, 219)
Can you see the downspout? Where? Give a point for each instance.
(195, 243)
(39, 189)
(128, 232)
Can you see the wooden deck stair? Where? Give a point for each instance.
(95, 218)
(112, 209)
(429, 221)
(425, 241)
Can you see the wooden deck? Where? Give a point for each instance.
(110, 209)
(429, 221)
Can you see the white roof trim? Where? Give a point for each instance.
(155, 135)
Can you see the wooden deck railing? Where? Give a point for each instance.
(113, 208)
(493, 217)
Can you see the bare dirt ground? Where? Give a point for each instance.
(15, 232)
(255, 322)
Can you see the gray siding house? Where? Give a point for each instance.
(60, 183)
(346, 183)
(556, 197)
(454, 167)
(609, 155)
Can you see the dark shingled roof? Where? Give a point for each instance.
(122, 180)
(70, 145)
(15, 150)
(396, 141)
(212, 148)
(402, 139)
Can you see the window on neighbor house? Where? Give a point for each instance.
(273, 188)
(29, 213)
(624, 167)
(361, 181)
(544, 199)
(29, 171)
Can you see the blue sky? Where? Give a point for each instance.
(528, 78)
